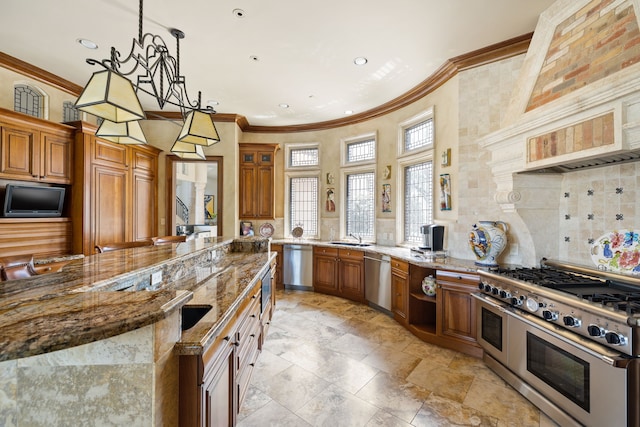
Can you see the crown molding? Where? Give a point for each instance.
(449, 69)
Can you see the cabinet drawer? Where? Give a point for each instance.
(457, 277)
(400, 265)
(333, 252)
(351, 254)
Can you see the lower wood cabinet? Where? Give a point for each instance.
(278, 279)
(399, 289)
(457, 317)
(449, 318)
(212, 385)
(340, 272)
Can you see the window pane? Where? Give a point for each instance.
(362, 150)
(304, 157)
(419, 135)
(360, 205)
(418, 196)
(69, 112)
(303, 210)
(27, 101)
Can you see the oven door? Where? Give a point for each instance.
(491, 323)
(585, 379)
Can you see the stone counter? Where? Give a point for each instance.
(98, 342)
(428, 260)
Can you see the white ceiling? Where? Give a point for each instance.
(305, 48)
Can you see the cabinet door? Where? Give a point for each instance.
(399, 290)
(278, 279)
(144, 195)
(109, 205)
(351, 274)
(325, 273)
(56, 158)
(264, 195)
(457, 314)
(19, 154)
(247, 191)
(218, 391)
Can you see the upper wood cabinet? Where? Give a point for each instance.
(115, 197)
(32, 149)
(257, 180)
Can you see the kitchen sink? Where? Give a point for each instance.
(351, 244)
(191, 314)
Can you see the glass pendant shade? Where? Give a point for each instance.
(186, 150)
(122, 133)
(110, 96)
(199, 129)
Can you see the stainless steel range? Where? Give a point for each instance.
(567, 337)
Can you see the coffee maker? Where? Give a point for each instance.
(432, 237)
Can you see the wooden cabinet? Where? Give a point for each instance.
(457, 314)
(257, 181)
(214, 383)
(34, 150)
(399, 289)
(339, 271)
(115, 197)
(325, 270)
(278, 277)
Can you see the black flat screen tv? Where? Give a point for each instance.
(23, 201)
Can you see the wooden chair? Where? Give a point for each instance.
(108, 247)
(161, 240)
(16, 267)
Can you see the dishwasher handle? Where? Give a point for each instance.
(383, 258)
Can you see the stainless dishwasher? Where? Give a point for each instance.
(377, 280)
(297, 267)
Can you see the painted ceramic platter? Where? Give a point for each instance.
(266, 230)
(297, 232)
(617, 251)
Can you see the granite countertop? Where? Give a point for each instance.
(428, 260)
(100, 296)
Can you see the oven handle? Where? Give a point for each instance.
(495, 304)
(610, 357)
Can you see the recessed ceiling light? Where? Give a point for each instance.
(87, 43)
(283, 105)
(360, 60)
(239, 13)
(347, 112)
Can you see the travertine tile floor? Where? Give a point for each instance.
(331, 362)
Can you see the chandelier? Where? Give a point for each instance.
(111, 94)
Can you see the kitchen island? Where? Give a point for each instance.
(96, 342)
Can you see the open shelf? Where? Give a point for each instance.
(424, 328)
(423, 297)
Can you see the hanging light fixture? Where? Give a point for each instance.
(186, 150)
(149, 68)
(122, 133)
(199, 129)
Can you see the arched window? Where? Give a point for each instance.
(28, 100)
(69, 112)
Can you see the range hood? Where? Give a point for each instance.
(576, 104)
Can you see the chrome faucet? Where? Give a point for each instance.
(356, 237)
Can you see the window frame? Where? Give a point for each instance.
(300, 172)
(345, 142)
(407, 158)
(288, 148)
(412, 121)
(44, 98)
(287, 196)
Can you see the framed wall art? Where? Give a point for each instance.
(445, 192)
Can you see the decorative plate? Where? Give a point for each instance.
(617, 251)
(266, 230)
(297, 232)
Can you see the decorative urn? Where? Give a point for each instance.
(429, 286)
(487, 241)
